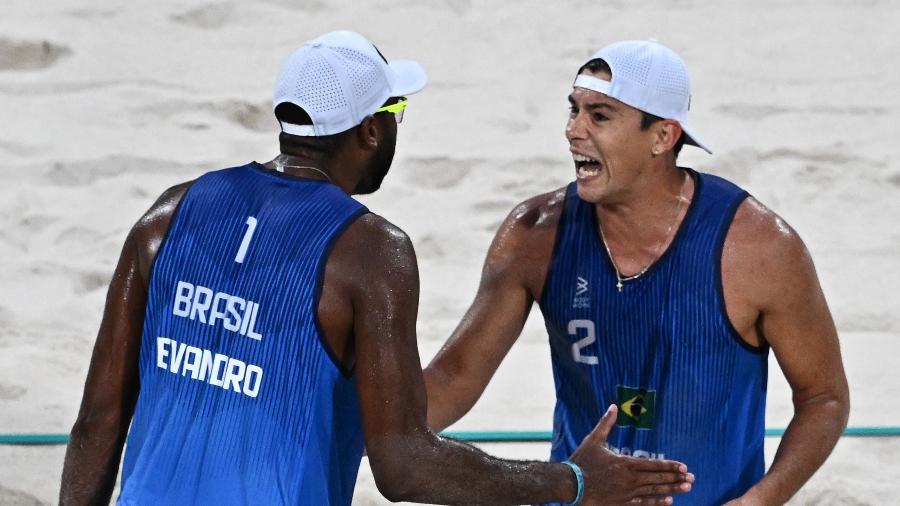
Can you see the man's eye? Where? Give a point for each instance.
(599, 117)
(573, 110)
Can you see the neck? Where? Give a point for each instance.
(650, 195)
(639, 227)
(309, 167)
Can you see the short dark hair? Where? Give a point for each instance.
(291, 113)
(647, 119)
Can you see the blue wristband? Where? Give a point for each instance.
(579, 477)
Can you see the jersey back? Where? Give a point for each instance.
(241, 400)
(662, 349)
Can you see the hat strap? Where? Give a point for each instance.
(301, 130)
(592, 83)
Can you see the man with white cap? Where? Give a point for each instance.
(662, 290)
(260, 326)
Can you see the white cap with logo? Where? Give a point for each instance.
(649, 77)
(340, 78)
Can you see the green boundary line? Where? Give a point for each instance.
(543, 436)
(472, 436)
(34, 439)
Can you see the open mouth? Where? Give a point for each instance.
(585, 166)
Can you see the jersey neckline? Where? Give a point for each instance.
(698, 186)
(262, 169)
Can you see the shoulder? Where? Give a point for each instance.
(523, 246)
(531, 223)
(756, 229)
(161, 212)
(372, 245)
(538, 213)
(763, 252)
(147, 234)
(373, 233)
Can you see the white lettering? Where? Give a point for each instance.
(202, 300)
(234, 375)
(641, 454)
(215, 313)
(584, 342)
(251, 331)
(161, 351)
(192, 359)
(245, 320)
(215, 378)
(175, 364)
(252, 380)
(207, 306)
(218, 370)
(205, 365)
(183, 293)
(235, 305)
(245, 242)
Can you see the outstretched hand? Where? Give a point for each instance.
(617, 479)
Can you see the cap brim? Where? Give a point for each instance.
(690, 138)
(409, 77)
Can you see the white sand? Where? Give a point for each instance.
(103, 106)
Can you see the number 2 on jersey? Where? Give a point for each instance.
(584, 342)
(245, 243)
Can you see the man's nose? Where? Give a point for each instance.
(575, 128)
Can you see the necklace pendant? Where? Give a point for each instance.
(619, 285)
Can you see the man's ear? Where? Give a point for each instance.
(667, 133)
(369, 133)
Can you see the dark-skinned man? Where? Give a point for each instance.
(662, 290)
(260, 329)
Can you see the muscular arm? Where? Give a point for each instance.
(111, 388)
(408, 460)
(770, 265)
(511, 279)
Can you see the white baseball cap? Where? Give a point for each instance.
(340, 78)
(649, 77)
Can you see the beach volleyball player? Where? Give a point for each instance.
(260, 326)
(662, 290)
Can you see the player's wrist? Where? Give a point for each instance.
(758, 495)
(577, 478)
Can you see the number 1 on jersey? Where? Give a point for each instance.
(245, 243)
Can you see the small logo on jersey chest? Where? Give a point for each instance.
(637, 407)
(581, 285)
(582, 298)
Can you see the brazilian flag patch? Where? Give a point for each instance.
(637, 407)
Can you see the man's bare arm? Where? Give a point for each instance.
(111, 389)
(412, 463)
(794, 320)
(462, 369)
(511, 279)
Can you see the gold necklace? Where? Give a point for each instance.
(619, 277)
(280, 166)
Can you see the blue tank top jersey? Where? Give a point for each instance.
(241, 400)
(687, 386)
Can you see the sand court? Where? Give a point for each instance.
(104, 107)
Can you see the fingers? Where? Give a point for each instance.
(662, 489)
(651, 501)
(657, 466)
(597, 438)
(665, 478)
(601, 431)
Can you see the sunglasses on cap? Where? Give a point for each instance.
(397, 109)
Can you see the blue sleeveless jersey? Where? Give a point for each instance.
(240, 400)
(663, 349)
